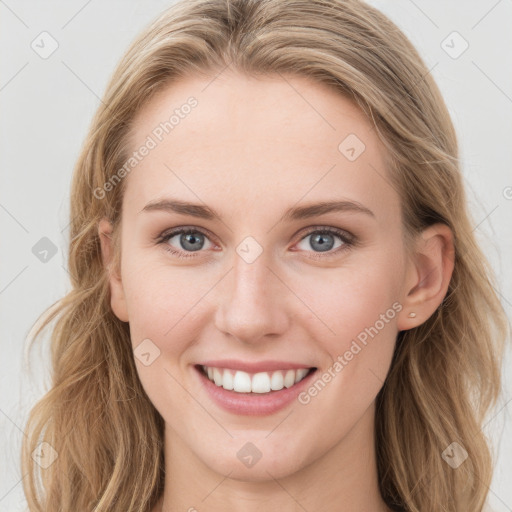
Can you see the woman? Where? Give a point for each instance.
(278, 302)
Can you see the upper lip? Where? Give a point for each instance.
(254, 367)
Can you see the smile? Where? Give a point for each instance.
(261, 382)
(255, 388)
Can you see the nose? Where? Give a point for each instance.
(253, 302)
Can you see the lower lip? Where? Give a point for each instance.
(253, 404)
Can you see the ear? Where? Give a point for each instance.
(117, 297)
(428, 275)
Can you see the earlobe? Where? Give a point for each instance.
(117, 297)
(428, 277)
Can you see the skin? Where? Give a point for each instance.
(251, 149)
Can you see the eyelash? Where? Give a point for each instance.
(349, 241)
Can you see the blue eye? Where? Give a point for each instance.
(321, 241)
(324, 242)
(190, 240)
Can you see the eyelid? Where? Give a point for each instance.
(171, 232)
(343, 233)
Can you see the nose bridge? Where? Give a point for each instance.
(251, 280)
(252, 303)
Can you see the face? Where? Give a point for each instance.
(256, 279)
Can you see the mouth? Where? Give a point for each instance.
(253, 388)
(262, 382)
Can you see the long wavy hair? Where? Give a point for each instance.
(445, 375)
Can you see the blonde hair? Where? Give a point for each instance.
(445, 374)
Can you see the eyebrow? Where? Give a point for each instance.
(294, 213)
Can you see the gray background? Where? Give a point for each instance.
(47, 105)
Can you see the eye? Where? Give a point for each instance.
(323, 240)
(186, 240)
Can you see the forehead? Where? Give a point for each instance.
(268, 140)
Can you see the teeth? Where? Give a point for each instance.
(277, 381)
(262, 382)
(228, 381)
(241, 382)
(217, 377)
(301, 374)
(289, 378)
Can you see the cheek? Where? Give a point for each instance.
(161, 309)
(361, 309)
(353, 298)
(163, 301)
(359, 304)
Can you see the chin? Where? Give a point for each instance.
(257, 460)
